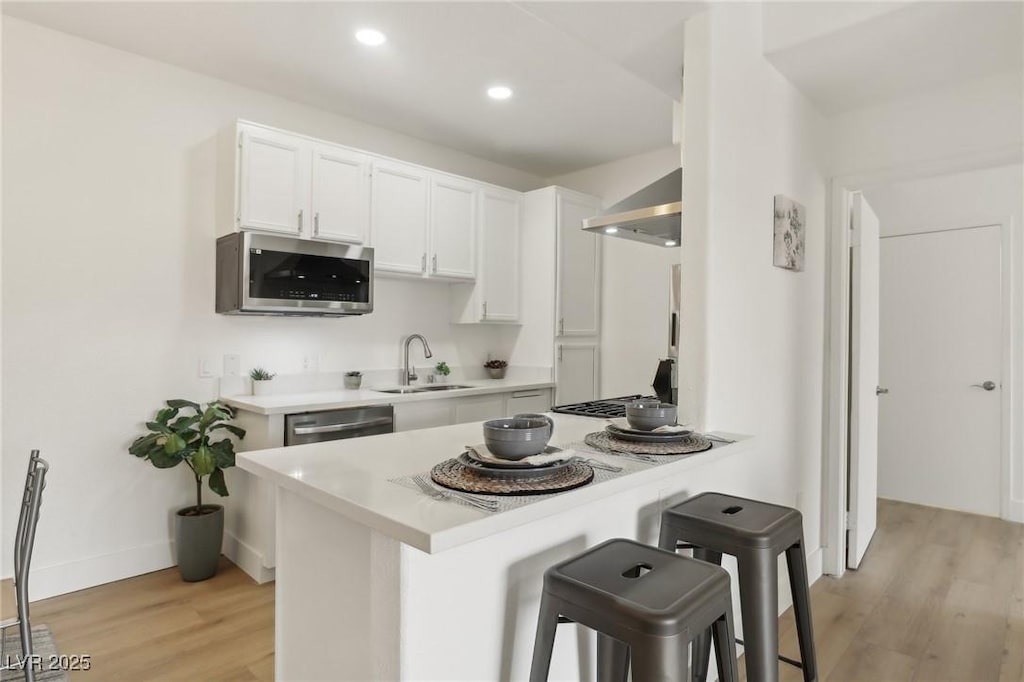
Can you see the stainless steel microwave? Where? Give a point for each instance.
(261, 274)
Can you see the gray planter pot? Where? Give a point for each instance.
(198, 539)
(496, 373)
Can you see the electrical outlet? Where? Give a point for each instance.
(232, 365)
(310, 362)
(206, 370)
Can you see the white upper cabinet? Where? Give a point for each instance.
(398, 224)
(500, 236)
(341, 194)
(578, 300)
(273, 181)
(453, 223)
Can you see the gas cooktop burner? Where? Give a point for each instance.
(611, 407)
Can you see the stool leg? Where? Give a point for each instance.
(667, 536)
(725, 646)
(759, 604)
(701, 660)
(797, 563)
(658, 659)
(612, 659)
(547, 623)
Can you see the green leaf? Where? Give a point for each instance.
(223, 453)
(238, 431)
(174, 444)
(179, 403)
(217, 484)
(203, 462)
(165, 415)
(184, 423)
(141, 446)
(161, 460)
(158, 427)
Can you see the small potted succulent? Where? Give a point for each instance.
(441, 372)
(261, 379)
(496, 368)
(353, 380)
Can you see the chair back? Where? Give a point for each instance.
(28, 517)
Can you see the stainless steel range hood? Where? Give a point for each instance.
(653, 215)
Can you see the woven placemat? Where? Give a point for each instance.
(453, 474)
(689, 444)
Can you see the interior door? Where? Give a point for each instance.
(341, 194)
(862, 494)
(398, 226)
(940, 424)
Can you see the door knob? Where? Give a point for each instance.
(879, 390)
(987, 385)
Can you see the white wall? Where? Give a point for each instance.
(635, 277)
(962, 199)
(108, 286)
(758, 329)
(976, 117)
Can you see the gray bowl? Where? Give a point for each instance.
(647, 416)
(517, 437)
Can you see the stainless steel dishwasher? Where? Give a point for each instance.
(352, 422)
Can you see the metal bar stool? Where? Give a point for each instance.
(25, 538)
(646, 606)
(755, 533)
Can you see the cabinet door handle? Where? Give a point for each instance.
(559, 353)
(300, 220)
(316, 223)
(435, 263)
(561, 328)
(423, 263)
(485, 309)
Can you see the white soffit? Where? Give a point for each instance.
(574, 105)
(883, 56)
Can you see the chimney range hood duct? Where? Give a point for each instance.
(653, 215)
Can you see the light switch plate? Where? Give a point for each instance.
(232, 365)
(206, 368)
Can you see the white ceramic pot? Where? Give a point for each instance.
(261, 387)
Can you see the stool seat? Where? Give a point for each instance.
(726, 522)
(646, 605)
(643, 588)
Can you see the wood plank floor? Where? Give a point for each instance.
(940, 597)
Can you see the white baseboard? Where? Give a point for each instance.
(815, 563)
(50, 581)
(1016, 511)
(247, 559)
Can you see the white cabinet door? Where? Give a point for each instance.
(579, 268)
(273, 179)
(425, 414)
(480, 408)
(524, 402)
(341, 194)
(398, 224)
(576, 373)
(453, 210)
(499, 266)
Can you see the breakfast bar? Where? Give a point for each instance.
(377, 580)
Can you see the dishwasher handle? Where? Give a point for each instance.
(338, 428)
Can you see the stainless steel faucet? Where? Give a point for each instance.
(409, 375)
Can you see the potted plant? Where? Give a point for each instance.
(261, 379)
(496, 368)
(441, 372)
(353, 380)
(183, 432)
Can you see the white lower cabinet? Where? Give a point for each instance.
(480, 408)
(425, 414)
(523, 402)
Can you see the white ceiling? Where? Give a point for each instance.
(593, 82)
(914, 47)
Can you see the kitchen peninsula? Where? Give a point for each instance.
(376, 580)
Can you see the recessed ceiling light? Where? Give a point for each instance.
(670, 242)
(371, 37)
(611, 230)
(499, 92)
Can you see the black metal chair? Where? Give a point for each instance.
(25, 538)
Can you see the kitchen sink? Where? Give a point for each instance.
(401, 391)
(442, 387)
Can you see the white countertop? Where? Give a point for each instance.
(287, 403)
(351, 477)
